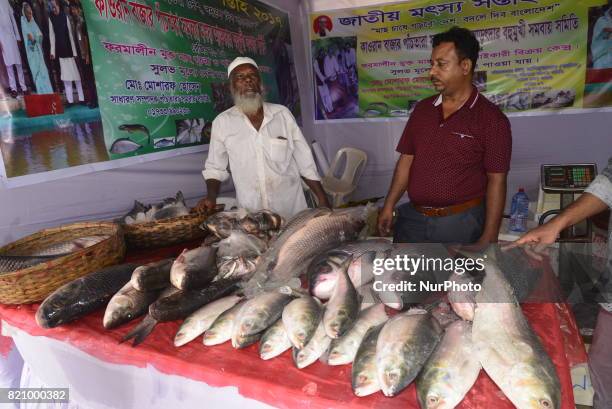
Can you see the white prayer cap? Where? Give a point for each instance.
(239, 61)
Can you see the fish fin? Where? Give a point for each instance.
(141, 331)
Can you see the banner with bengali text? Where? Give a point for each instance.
(537, 56)
(154, 75)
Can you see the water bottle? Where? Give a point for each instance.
(519, 211)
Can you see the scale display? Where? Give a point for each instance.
(567, 178)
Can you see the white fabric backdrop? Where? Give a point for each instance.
(585, 137)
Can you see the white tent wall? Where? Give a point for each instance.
(584, 137)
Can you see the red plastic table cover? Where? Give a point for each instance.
(278, 382)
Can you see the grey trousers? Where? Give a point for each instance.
(600, 361)
(414, 227)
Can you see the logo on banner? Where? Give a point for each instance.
(322, 25)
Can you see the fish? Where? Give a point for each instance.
(261, 222)
(301, 318)
(342, 309)
(294, 247)
(240, 244)
(82, 296)
(313, 350)
(451, 370)
(127, 304)
(323, 271)
(164, 143)
(274, 341)
(124, 145)
(344, 349)
(236, 266)
(141, 331)
(62, 248)
(221, 224)
(200, 320)
(463, 303)
(508, 349)
(403, 346)
(220, 330)
(152, 276)
(9, 263)
(132, 128)
(364, 377)
(243, 341)
(258, 313)
(171, 207)
(190, 130)
(137, 214)
(182, 303)
(194, 268)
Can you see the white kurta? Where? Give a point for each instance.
(266, 165)
(9, 35)
(68, 68)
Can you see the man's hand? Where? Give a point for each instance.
(545, 234)
(206, 205)
(52, 57)
(385, 218)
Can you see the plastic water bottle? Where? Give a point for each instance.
(519, 211)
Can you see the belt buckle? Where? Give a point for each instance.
(438, 211)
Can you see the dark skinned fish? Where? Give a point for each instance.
(82, 296)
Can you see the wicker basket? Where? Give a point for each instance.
(33, 284)
(166, 232)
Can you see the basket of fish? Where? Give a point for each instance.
(163, 224)
(34, 266)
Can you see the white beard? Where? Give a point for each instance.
(249, 104)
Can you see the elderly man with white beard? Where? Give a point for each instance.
(264, 148)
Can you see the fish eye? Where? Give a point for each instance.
(545, 403)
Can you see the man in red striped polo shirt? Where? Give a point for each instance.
(454, 155)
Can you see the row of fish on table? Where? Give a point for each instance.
(390, 340)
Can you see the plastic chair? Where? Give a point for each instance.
(340, 188)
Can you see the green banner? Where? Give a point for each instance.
(161, 66)
(536, 55)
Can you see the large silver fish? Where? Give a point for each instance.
(403, 346)
(82, 296)
(274, 341)
(342, 309)
(152, 276)
(451, 370)
(508, 349)
(324, 269)
(317, 230)
(258, 313)
(200, 320)
(220, 330)
(343, 350)
(194, 268)
(127, 304)
(301, 318)
(364, 376)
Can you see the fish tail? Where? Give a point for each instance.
(141, 331)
